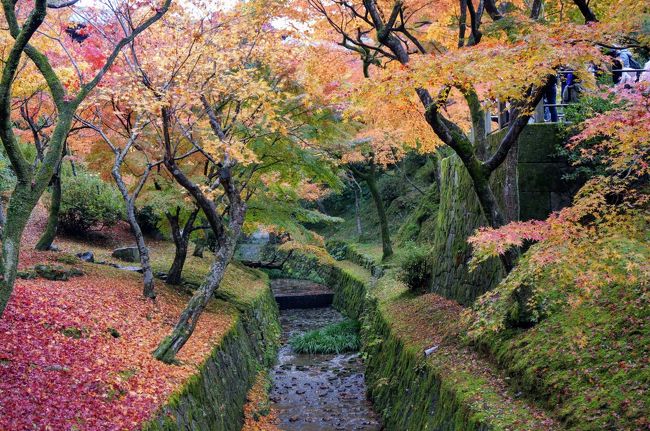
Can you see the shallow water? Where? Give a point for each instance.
(319, 392)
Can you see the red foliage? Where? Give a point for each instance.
(53, 381)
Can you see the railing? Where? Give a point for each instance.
(502, 118)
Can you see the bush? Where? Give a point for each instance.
(415, 267)
(335, 338)
(575, 115)
(148, 220)
(88, 204)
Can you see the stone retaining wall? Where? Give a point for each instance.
(214, 398)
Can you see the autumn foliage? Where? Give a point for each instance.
(78, 353)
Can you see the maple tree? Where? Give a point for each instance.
(417, 65)
(612, 199)
(128, 128)
(229, 123)
(68, 88)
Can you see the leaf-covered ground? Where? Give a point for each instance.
(588, 357)
(429, 320)
(77, 354)
(258, 412)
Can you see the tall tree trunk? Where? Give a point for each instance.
(387, 248)
(28, 190)
(171, 345)
(586, 11)
(148, 289)
(536, 9)
(3, 219)
(47, 238)
(22, 203)
(174, 275)
(356, 189)
(357, 212)
(181, 237)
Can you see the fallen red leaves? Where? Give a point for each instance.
(62, 366)
(258, 413)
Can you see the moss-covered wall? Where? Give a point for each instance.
(538, 183)
(540, 171)
(459, 214)
(213, 399)
(410, 395)
(450, 390)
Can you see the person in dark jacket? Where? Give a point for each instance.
(550, 98)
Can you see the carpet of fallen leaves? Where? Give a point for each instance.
(258, 413)
(76, 355)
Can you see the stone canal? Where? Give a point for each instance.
(319, 392)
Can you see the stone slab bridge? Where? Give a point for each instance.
(292, 293)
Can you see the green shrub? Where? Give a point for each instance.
(148, 219)
(575, 115)
(88, 204)
(415, 267)
(335, 338)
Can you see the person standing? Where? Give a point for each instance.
(550, 99)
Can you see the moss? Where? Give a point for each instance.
(69, 259)
(72, 332)
(585, 358)
(214, 397)
(450, 390)
(414, 226)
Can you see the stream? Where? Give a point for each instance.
(319, 392)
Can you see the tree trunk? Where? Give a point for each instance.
(171, 345)
(357, 212)
(47, 238)
(2, 216)
(381, 212)
(181, 241)
(536, 9)
(23, 200)
(148, 289)
(356, 189)
(174, 275)
(586, 11)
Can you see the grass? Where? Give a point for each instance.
(335, 338)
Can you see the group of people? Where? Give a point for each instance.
(625, 71)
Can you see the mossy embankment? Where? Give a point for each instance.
(214, 397)
(583, 365)
(564, 341)
(581, 343)
(454, 388)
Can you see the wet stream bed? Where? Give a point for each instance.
(319, 392)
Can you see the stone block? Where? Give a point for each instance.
(127, 254)
(542, 177)
(539, 143)
(87, 256)
(534, 205)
